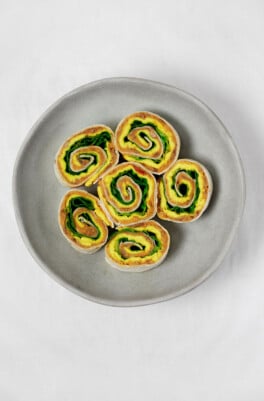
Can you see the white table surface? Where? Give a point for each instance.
(206, 345)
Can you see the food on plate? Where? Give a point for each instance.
(139, 247)
(86, 156)
(148, 139)
(184, 191)
(128, 194)
(82, 221)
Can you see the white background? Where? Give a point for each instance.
(206, 345)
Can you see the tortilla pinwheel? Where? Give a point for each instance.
(148, 139)
(82, 221)
(139, 247)
(184, 191)
(86, 156)
(128, 194)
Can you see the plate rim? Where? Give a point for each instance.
(142, 301)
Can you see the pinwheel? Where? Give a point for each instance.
(148, 139)
(82, 221)
(184, 191)
(86, 156)
(139, 247)
(128, 194)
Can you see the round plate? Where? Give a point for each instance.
(196, 248)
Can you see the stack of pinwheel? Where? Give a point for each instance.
(129, 194)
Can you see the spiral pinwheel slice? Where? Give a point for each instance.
(148, 139)
(86, 156)
(139, 247)
(184, 191)
(128, 194)
(82, 221)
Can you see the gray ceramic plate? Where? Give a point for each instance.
(197, 248)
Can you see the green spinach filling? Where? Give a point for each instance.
(191, 209)
(137, 245)
(164, 139)
(141, 182)
(74, 204)
(99, 140)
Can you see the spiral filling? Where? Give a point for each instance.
(82, 220)
(145, 139)
(85, 156)
(184, 191)
(142, 245)
(148, 139)
(128, 192)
